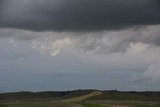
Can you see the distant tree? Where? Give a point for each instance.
(115, 90)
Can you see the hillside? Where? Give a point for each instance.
(46, 95)
(79, 94)
(132, 96)
(80, 98)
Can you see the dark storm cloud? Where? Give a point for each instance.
(78, 15)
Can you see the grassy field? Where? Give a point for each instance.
(81, 98)
(125, 103)
(123, 96)
(51, 104)
(80, 104)
(72, 104)
(95, 105)
(40, 104)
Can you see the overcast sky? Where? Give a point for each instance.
(79, 44)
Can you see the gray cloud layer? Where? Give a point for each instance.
(78, 15)
(102, 42)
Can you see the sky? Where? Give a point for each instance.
(48, 45)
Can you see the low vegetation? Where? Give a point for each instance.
(129, 96)
(80, 98)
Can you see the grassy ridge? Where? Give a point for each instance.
(61, 95)
(83, 97)
(116, 95)
(80, 98)
(42, 96)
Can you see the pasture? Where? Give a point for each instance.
(80, 98)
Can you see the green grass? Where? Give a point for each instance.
(77, 104)
(146, 105)
(39, 104)
(124, 103)
(123, 96)
(94, 105)
(80, 98)
(79, 94)
(83, 97)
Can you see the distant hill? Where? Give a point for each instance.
(46, 95)
(132, 96)
(63, 95)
